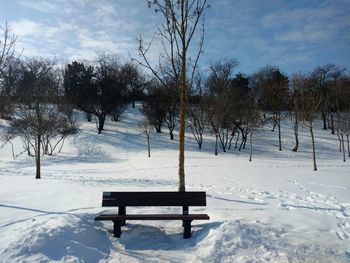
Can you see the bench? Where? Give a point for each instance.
(124, 199)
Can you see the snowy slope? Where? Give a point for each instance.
(274, 209)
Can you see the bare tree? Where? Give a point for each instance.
(65, 125)
(8, 137)
(342, 129)
(7, 45)
(220, 98)
(8, 61)
(220, 121)
(273, 94)
(9, 74)
(296, 84)
(310, 102)
(253, 119)
(346, 108)
(99, 91)
(146, 128)
(39, 125)
(341, 100)
(135, 81)
(171, 117)
(181, 19)
(197, 121)
(155, 105)
(38, 120)
(347, 130)
(324, 78)
(197, 118)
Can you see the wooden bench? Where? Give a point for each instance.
(124, 199)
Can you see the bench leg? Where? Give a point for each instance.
(117, 231)
(187, 228)
(122, 211)
(184, 212)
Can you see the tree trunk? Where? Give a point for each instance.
(332, 123)
(251, 146)
(274, 118)
(37, 158)
(148, 146)
(241, 145)
(339, 141)
(296, 133)
(133, 104)
(216, 144)
(13, 149)
(245, 141)
(222, 141)
(274, 126)
(327, 117)
(61, 146)
(324, 118)
(230, 142)
(28, 149)
(183, 104)
(313, 147)
(237, 140)
(347, 140)
(158, 128)
(200, 141)
(101, 123)
(171, 135)
(46, 147)
(279, 133)
(88, 117)
(343, 147)
(226, 139)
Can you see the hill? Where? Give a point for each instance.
(273, 209)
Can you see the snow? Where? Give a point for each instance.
(273, 209)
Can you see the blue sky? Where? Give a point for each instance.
(294, 35)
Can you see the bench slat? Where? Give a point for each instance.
(152, 217)
(154, 199)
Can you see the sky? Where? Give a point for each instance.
(294, 35)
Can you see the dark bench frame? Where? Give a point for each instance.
(124, 199)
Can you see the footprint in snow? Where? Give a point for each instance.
(342, 235)
(344, 229)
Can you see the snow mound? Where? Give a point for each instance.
(242, 242)
(59, 238)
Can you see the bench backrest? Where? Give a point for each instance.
(154, 199)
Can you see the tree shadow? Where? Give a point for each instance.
(287, 206)
(41, 213)
(236, 200)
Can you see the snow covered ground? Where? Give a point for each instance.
(274, 209)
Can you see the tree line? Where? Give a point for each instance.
(233, 105)
(38, 96)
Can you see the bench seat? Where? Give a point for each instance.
(152, 217)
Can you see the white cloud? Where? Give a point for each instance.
(25, 28)
(310, 24)
(104, 8)
(255, 32)
(39, 5)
